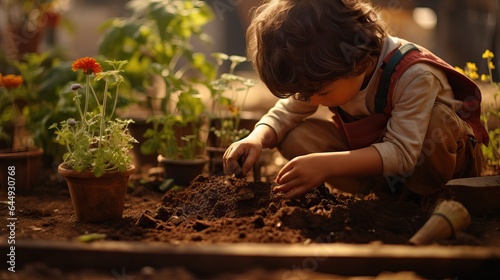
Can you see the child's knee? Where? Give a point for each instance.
(447, 152)
(445, 125)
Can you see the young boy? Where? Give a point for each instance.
(412, 132)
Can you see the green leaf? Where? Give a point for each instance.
(167, 184)
(91, 237)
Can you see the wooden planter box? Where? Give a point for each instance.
(339, 259)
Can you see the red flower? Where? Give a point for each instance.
(11, 81)
(87, 64)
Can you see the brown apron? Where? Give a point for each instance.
(363, 132)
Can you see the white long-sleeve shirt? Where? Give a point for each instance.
(414, 96)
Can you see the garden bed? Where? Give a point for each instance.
(244, 226)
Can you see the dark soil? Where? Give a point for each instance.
(225, 209)
(229, 210)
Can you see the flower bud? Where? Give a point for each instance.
(75, 87)
(72, 122)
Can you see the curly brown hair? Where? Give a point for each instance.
(302, 46)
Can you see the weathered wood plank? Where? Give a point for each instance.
(341, 259)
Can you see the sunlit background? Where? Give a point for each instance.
(456, 30)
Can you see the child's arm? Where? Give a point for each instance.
(272, 127)
(306, 172)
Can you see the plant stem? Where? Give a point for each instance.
(115, 102)
(490, 72)
(14, 118)
(493, 84)
(238, 117)
(179, 73)
(173, 61)
(86, 107)
(103, 114)
(82, 116)
(95, 96)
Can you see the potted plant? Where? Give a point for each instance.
(17, 150)
(227, 124)
(47, 103)
(38, 100)
(177, 140)
(97, 164)
(158, 40)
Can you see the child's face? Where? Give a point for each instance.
(339, 92)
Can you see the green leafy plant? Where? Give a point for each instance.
(178, 135)
(40, 100)
(46, 104)
(95, 142)
(12, 92)
(157, 40)
(38, 97)
(19, 108)
(490, 111)
(224, 92)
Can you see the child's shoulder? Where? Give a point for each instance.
(412, 64)
(421, 68)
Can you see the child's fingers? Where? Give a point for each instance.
(231, 162)
(283, 171)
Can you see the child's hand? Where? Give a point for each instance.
(300, 175)
(240, 157)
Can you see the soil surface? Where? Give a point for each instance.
(224, 209)
(219, 209)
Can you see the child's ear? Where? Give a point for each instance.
(364, 63)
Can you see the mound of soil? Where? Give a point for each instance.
(228, 210)
(225, 209)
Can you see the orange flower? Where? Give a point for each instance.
(87, 64)
(11, 81)
(233, 109)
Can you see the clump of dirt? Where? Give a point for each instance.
(225, 209)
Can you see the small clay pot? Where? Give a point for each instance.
(26, 165)
(182, 171)
(97, 199)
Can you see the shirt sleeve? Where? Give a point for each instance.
(285, 115)
(413, 100)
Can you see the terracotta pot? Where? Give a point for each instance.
(182, 171)
(26, 164)
(97, 199)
